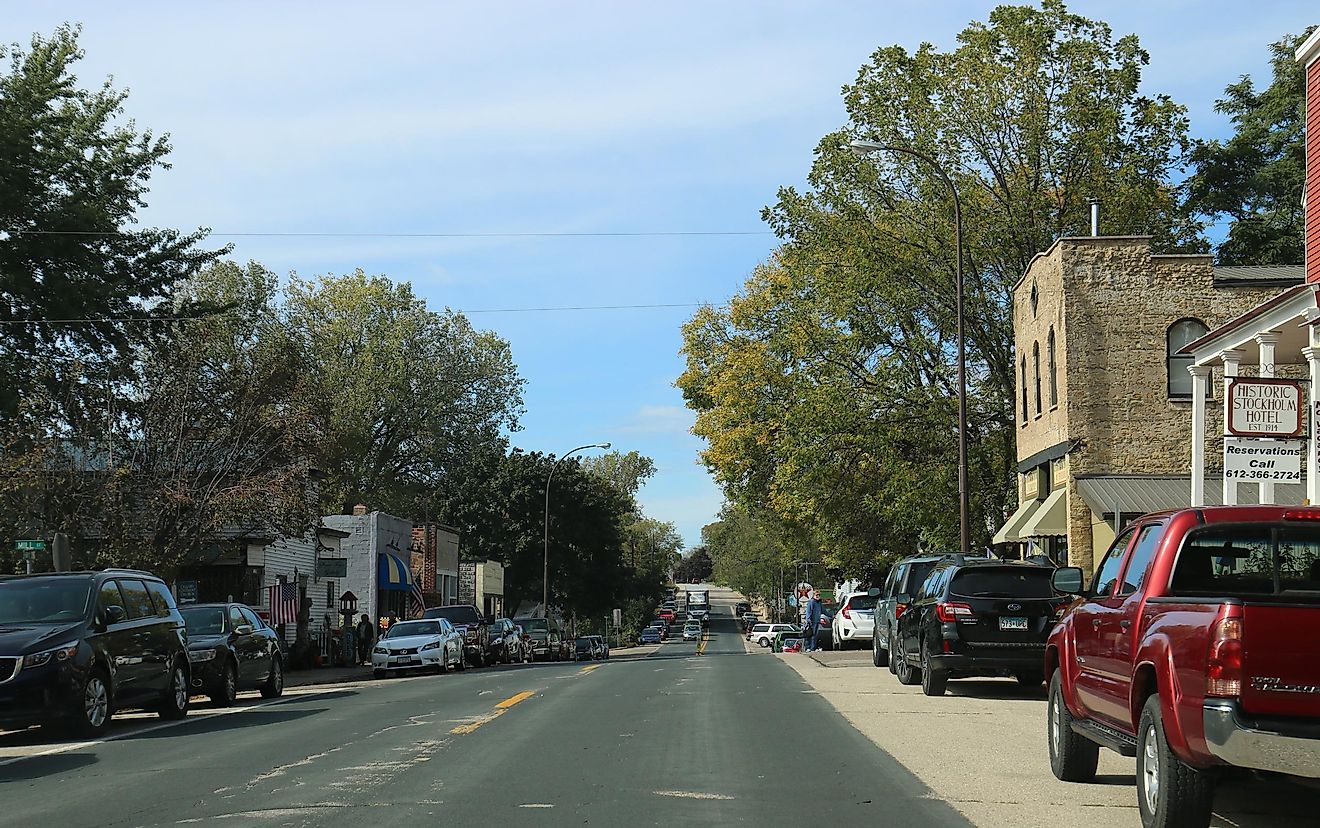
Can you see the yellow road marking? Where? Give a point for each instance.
(586, 670)
(512, 700)
(701, 645)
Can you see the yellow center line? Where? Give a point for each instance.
(512, 700)
(586, 670)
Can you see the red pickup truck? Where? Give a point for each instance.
(1196, 649)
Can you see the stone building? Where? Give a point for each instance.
(435, 561)
(1103, 392)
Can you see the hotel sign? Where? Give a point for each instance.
(1264, 408)
(1263, 461)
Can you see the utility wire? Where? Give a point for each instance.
(497, 235)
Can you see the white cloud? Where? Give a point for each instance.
(659, 419)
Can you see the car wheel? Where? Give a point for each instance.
(879, 656)
(274, 686)
(226, 687)
(907, 674)
(932, 681)
(96, 705)
(1170, 794)
(892, 653)
(174, 703)
(1073, 757)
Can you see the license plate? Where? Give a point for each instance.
(1012, 623)
(400, 660)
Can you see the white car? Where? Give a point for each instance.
(691, 631)
(764, 634)
(431, 643)
(854, 623)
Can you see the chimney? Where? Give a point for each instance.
(360, 509)
(1095, 216)
(1308, 54)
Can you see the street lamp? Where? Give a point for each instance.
(545, 575)
(865, 148)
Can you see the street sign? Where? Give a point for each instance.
(1263, 461)
(1264, 408)
(618, 618)
(332, 567)
(186, 592)
(31, 545)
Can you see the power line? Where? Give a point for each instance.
(495, 235)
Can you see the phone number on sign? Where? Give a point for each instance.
(1267, 475)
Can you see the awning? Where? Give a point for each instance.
(1139, 494)
(393, 573)
(1051, 519)
(1009, 532)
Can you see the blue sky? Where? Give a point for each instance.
(534, 117)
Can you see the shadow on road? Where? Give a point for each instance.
(220, 724)
(40, 766)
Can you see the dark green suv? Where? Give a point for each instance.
(77, 646)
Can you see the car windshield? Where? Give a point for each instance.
(1250, 559)
(204, 620)
(407, 628)
(584, 643)
(43, 600)
(455, 615)
(861, 602)
(534, 625)
(1003, 582)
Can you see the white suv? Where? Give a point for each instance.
(763, 634)
(854, 622)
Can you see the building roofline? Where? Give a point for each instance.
(1309, 51)
(1075, 239)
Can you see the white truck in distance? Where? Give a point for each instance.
(698, 604)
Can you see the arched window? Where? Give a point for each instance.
(1035, 367)
(1181, 334)
(1053, 369)
(1023, 385)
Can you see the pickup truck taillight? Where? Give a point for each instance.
(899, 609)
(947, 611)
(1224, 668)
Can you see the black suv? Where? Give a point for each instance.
(892, 601)
(978, 618)
(77, 646)
(469, 621)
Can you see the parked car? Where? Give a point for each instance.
(231, 649)
(1194, 650)
(853, 623)
(603, 646)
(650, 635)
(692, 631)
(741, 607)
(763, 634)
(584, 649)
(524, 644)
(789, 640)
(423, 644)
(978, 618)
(546, 638)
(892, 601)
(506, 641)
(469, 621)
(77, 647)
(667, 615)
(748, 620)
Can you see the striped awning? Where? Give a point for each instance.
(393, 573)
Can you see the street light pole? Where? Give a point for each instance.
(545, 572)
(964, 507)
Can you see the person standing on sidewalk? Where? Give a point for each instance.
(811, 623)
(366, 637)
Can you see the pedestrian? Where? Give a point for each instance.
(811, 623)
(366, 637)
(392, 620)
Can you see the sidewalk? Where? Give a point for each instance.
(326, 675)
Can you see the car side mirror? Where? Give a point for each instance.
(1068, 580)
(113, 614)
(243, 629)
(874, 592)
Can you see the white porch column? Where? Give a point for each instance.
(1200, 385)
(1312, 355)
(1267, 340)
(1231, 360)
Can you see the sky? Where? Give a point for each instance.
(361, 120)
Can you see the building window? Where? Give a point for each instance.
(1035, 367)
(1024, 390)
(1181, 334)
(1054, 371)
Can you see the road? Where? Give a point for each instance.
(671, 738)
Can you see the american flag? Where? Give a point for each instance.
(283, 604)
(416, 601)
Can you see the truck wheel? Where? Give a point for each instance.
(907, 674)
(932, 681)
(879, 656)
(1170, 794)
(1073, 757)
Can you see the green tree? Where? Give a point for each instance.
(74, 176)
(826, 390)
(628, 472)
(1255, 178)
(695, 566)
(406, 391)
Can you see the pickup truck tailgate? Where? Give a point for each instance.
(1281, 659)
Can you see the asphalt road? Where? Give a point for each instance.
(672, 738)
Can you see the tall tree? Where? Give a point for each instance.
(628, 472)
(406, 391)
(695, 566)
(827, 389)
(72, 178)
(1255, 178)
